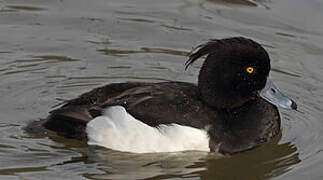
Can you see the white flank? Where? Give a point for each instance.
(118, 130)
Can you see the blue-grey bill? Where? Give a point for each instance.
(272, 94)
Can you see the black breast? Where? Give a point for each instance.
(245, 127)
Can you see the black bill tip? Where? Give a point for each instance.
(294, 105)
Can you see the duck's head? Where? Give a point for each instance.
(235, 71)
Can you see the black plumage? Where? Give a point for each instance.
(225, 101)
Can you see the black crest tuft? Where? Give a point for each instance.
(200, 51)
(216, 45)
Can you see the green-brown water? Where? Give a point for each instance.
(52, 50)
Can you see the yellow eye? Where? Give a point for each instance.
(250, 70)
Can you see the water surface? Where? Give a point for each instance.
(53, 50)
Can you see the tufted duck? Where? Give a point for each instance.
(233, 108)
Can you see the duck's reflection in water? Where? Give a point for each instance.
(269, 160)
